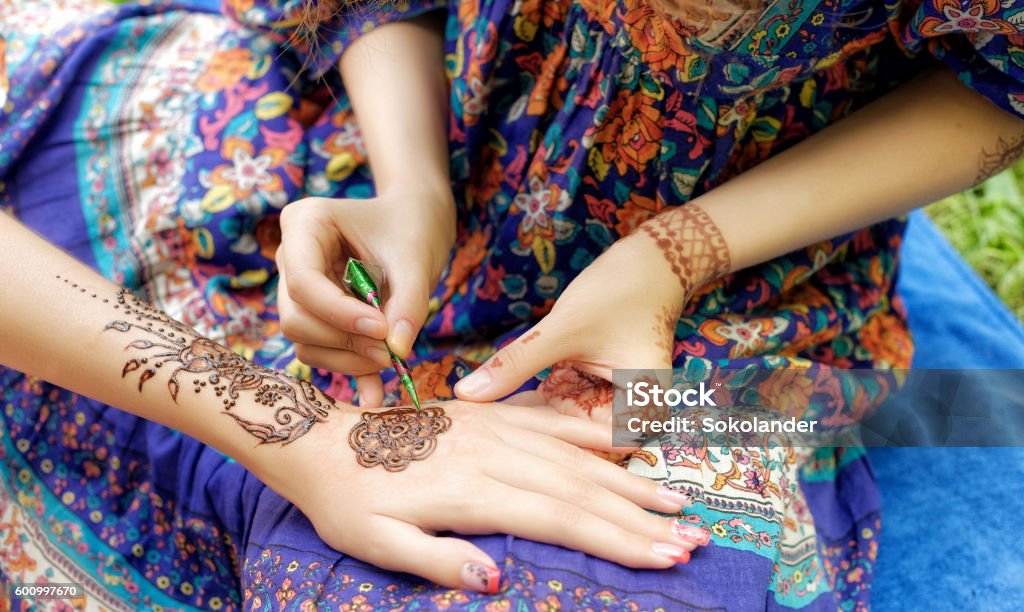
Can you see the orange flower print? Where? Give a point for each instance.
(787, 391)
(635, 211)
(226, 68)
(957, 18)
(660, 44)
(247, 173)
(886, 338)
(631, 133)
(431, 378)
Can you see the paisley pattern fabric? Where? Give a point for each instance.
(159, 142)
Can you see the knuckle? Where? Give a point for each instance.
(568, 516)
(583, 490)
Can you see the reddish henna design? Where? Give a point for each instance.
(530, 337)
(497, 362)
(585, 391)
(1004, 153)
(691, 244)
(665, 329)
(161, 341)
(397, 437)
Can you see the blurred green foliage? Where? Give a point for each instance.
(986, 225)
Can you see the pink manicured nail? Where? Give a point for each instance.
(672, 552)
(479, 577)
(693, 534)
(475, 383)
(674, 496)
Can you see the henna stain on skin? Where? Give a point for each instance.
(497, 362)
(1006, 152)
(691, 244)
(160, 341)
(584, 391)
(665, 329)
(397, 437)
(530, 337)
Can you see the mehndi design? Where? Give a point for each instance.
(209, 367)
(395, 438)
(691, 243)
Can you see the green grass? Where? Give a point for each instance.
(986, 225)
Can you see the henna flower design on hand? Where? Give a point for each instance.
(395, 438)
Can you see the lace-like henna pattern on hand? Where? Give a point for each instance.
(691, 243)
(297, 405)
(665, 328)
(397, 437)
(1006, 152)
(585, 391)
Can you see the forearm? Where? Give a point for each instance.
(928, 139)
(64, 323)
(395, 80)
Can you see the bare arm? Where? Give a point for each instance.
(928, 139)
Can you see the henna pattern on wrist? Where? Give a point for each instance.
(397, 437)
(1006, 152)
(664, 327)
(161, 341)
(691, 243)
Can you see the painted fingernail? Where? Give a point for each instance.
(474, 383)
(672, 552)
(379, 355)
(479, 577)
(691, 533)
(368, 327)
(674, 496)
(401, 337)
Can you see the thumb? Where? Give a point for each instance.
(397, 546)
(406, 310)
(513, 365)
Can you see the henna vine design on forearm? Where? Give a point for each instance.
(397, 437)
(1006, 152)
(297, 405)
(691, 244)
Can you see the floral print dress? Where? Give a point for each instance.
(159, 142)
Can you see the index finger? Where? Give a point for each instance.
(303, 267)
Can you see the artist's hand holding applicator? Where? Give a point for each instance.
(333, 329)
(407, 230)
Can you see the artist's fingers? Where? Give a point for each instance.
(406, 308)
(336, 360)
(371, 391)
(536, 516)
(510, 367)
(302, 259)
(397, 546)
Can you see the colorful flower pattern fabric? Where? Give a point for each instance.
(159, 142)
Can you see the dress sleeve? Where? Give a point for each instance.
(981, 40)
(319, 31)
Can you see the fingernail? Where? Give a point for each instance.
(369, 327)
(401, 337)
(474, 384)
(672, 552)
(691, 533)
(674, 496)
(479, 577)
(379, 355)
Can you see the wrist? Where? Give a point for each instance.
(689, 243)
